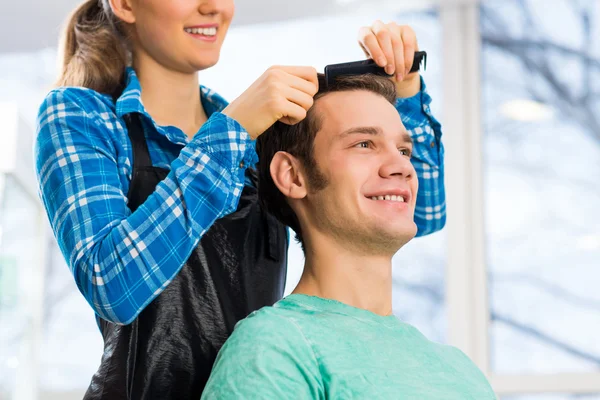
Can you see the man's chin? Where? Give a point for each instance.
(389, 240)
(401, 228)
(399, 239)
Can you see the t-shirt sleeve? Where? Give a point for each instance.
(266, 357)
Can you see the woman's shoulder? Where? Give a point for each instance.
(75, 97)
(79, 113)
(212, 101)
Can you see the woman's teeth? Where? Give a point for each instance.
(202, 31)
(389, 198)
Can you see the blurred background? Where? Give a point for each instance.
(513, 279)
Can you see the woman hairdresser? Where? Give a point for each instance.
(146, 183)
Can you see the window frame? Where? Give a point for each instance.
(467, 292)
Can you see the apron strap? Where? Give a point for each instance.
(135, 131)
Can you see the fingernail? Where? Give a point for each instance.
(389, 69)
(381, 61)
(399, 77)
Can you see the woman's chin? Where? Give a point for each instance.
(205, 62)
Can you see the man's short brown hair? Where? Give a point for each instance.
(298, 140)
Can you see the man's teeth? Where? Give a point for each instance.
(389, 198)
(202, 31)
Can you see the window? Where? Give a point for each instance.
(542, 168)
(522, 229)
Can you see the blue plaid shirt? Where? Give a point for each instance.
(122, 260)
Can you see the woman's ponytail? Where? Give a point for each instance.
(94, 49)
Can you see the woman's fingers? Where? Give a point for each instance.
(302, 78)
(385, 41)
(298, 98)
(370, 45)
(392, 46)
(409, 41)
(281, 93)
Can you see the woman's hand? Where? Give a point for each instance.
(281, 94)
(393, 47)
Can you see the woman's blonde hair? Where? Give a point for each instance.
(94, 49)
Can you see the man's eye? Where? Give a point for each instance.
(364, 145)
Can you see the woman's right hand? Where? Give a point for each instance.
(281, 94)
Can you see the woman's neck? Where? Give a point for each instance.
(171, 97)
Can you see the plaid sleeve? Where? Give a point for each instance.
(428, 160)
(122, 260)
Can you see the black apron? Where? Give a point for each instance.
(239, 266)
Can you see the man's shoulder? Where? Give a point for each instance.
(267, 329)
(266, 356)
(269, 321)
(267, 334)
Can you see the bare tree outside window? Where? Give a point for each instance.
(541, 91)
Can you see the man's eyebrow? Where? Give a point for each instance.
(369, 130)
(406, 138)
(373, 130)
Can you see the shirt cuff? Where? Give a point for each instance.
(415, 110)
(423, 127)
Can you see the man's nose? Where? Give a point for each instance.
(396, 164)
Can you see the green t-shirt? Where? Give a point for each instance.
(307, 347)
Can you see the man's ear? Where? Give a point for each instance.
(287, 175)
(123, 9)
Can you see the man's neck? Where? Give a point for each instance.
(171, 98)
(336, 272)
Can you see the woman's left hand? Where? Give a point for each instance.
(392, 46)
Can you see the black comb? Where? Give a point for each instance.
(368, 67)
